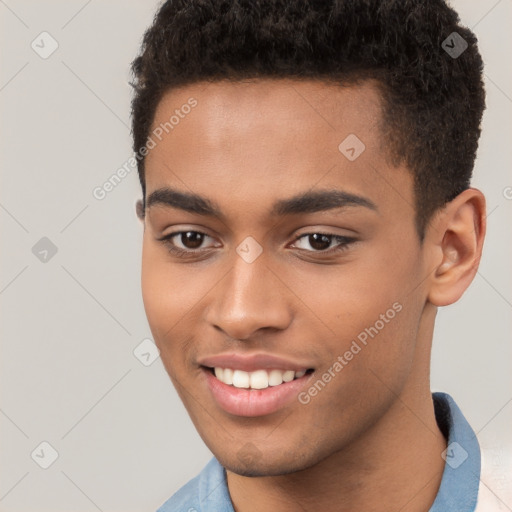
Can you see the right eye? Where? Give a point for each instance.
(190, 241)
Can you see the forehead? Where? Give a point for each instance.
(248, 143)
(226, 110)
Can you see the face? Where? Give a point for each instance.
(282, 273)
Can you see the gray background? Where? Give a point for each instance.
(70, 324)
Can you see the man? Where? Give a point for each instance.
(305, 169)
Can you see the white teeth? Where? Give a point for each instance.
(259, 379)
(228, 376)
(288, 376)
(241, 379)
(275, 377)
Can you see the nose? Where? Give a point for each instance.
(250, 298)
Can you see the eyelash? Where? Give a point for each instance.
(186, 253)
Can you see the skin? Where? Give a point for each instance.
(368, 440)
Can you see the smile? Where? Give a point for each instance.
(259, 379)
(254, 393)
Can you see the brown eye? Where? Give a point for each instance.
(185, 243)
(191, 239)
(321, 242)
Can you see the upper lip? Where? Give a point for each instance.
(252, 362)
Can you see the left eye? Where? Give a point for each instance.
(321, 242)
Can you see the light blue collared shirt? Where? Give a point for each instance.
(208, 491)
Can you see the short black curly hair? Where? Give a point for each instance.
(433, 98)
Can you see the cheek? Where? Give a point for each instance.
(165, 297)
(156, 294)
(371, 315)
(174, 298)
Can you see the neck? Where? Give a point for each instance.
(396, 464)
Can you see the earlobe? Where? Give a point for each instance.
(460, 235)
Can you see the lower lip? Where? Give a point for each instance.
(254, 402)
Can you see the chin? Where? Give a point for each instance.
(243, 465)
(262, 469)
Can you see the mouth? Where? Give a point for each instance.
(255, 393)
(258, 379)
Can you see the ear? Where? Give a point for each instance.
(139, 209)
(458, 235)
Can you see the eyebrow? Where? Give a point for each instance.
(307, 202)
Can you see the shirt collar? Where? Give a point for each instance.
(461, 476)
